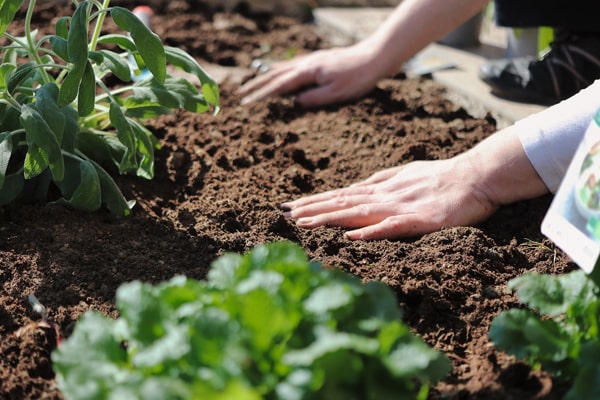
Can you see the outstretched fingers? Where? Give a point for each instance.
(260, 80)
(356, 216)
(339, 197)
(393, 227)
(281, 79)
(333, 211)
(375, 220)
(327, 92)
(379, 176)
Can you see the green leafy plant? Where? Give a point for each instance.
(62, 126)
(265, 325)
(560, 330)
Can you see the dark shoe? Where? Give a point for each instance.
(571, 64)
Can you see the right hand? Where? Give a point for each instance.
(424, 196)
(324, 77)
(413, 199)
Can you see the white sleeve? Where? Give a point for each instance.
(551, 137)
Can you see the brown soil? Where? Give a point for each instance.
(219, 180)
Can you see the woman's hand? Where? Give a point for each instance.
(425, 196)
(409, 200)
(322, 77)
(347, 73)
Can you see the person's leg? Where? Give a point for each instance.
(572, 63)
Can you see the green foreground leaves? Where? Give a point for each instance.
(565, 339)
(61, 125)
(266, 325)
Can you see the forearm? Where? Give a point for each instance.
(413, 25)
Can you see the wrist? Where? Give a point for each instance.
(502, 171)
(380, 64)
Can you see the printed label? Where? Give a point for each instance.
(573, 219)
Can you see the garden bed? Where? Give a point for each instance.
(219, 180)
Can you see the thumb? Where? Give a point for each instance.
(318, 96)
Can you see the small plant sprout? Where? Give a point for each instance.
(533, 245)
(43, 323)
(38, 307)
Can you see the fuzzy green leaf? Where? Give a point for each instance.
(8, 10)
(44, 149)
(144, 109)
(553, 295)
(183, 60)
(46, 104)
(81, 186)
(111, 195)
(126, 136)
(223, 273)
(145, 150)
(36, 161)
(61, 28)
(108, 353)
(70, 86)
(330, 342)
(176, 93)
(122, 41)
(18, 75)
(147, 42)
(107, 150)
(565, 338)
(522, 333)
(71, 130)
(5, 71)
(413, 357)
(143, 313)
(117, 65)
(60, 46)
(77, 41)
(6, 149)
(86, 98)
(329, 298)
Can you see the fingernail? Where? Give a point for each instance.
(303, 222)
(287, 215)
(353, 235)
(285, 207)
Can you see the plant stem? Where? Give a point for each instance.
(32, 48)
(9, 100)
(98, 27)
(114, 92)
(13, 39)
(97, 115)
(109, 94)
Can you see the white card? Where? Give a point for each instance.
(573, 219)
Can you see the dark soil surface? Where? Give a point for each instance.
(219, 180)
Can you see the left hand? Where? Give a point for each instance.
(320, 78)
